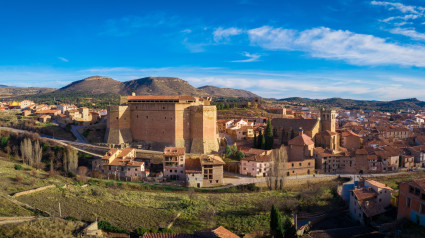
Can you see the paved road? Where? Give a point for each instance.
(80, 138)
(74, 144)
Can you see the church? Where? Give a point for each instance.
(322, 131)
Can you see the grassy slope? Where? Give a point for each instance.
(132, 205)
(128, 207)
(392, 181)
(10, 185)
(42, 228)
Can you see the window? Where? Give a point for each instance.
(300, 164)
(292, 164)
(423, 196)
(411, 189)
(408, 201)
(417, 191)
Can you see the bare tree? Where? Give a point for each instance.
(26, 151)
(276, 178)
(70, 160)
(37, 155)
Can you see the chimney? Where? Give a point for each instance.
(300, 131)
(133, 94)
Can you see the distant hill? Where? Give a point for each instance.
(411, 103)
(227, 92)
(95, 85)
(150, 86)
(6, 91)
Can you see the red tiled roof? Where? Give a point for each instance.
(174, 151)
(420, 183)
(167, 235)
(258, 158)
(364, 193)
(221, 232)
(378, 184)
(301, 140)
(193, 166)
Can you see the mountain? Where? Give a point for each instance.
(150, 86)
(160, 85)
(94, 85)
(7, 91)
(227, 92)
(410, 103)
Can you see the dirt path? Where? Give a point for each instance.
(174, 219)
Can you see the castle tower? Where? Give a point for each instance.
(328, 120)
(203, 129)
(118, 125)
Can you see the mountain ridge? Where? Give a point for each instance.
(151, 86)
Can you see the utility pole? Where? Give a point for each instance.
(60, 212)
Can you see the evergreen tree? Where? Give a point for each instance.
(259, 139)
(228, 151)
(289, 229)
(240, 155)
(269, 135)
(263, 142)
(276, 228)
(255, 140)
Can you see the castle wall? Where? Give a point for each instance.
(153, 122)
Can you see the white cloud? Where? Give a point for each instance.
(225, 33)
(187, 31)
(63, 59)
(398, 6)
(251, 58)
(322, 42)
(412, 33)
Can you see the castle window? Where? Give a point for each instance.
(165, 118)
(147, 117)
(163, 108)
(117, 118)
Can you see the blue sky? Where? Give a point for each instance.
(317, 49)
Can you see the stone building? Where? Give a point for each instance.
(156, 122)
(174, 163)
(321, 131)
(411, 202)
(120, 164)
(212, 170)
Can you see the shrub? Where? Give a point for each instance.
(141, 231)
(71, 174)
(106, 226)
(19, 179)
(18, 167)
(97, 192)
(71, 219)
(34, 172)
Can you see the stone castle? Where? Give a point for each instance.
(158, 121)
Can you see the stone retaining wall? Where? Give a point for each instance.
(33, 191)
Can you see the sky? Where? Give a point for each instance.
(358, 49)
